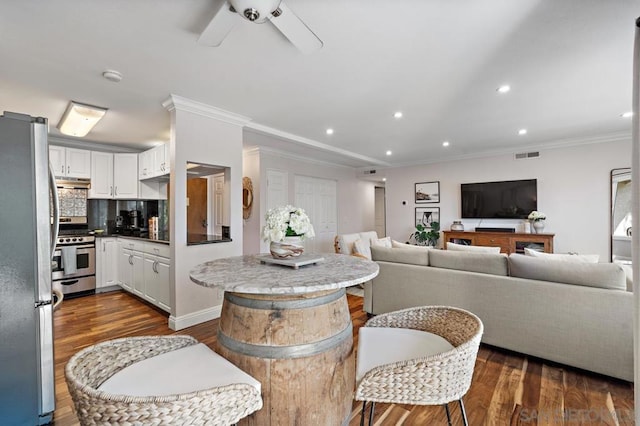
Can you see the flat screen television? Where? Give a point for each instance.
(513, 199)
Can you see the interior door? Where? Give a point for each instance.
(197, 206)
(318, 198)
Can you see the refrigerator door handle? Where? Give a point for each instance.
(45, 359)
(56, 209)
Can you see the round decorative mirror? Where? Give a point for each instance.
(247, 197)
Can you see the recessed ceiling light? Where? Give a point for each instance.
(445, 143)
(384, 179)
(627, 114)
(522, 132)
(503, 89)
(389, 152)
(398, 114)
(329, 131)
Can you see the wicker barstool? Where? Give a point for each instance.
(432, 378)
(87, 370)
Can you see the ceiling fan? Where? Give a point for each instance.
(260, 11)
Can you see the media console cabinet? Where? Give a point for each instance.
(509, 242)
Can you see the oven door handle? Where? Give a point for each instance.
(72, 282)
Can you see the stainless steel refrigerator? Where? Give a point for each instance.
(27, 232)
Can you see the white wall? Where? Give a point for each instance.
(573, 191)
(252, 227)
(198, 136)
(355, 197)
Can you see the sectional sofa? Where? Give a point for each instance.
(578, 314)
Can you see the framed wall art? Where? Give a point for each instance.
(427, 215)
(427, 192)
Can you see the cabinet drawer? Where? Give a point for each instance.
(503, 243)
(156, 249)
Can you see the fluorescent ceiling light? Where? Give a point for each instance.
(503, 89)
(627, 114)
(78, 119)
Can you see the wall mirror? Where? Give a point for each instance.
(621, 220)
(208, 203)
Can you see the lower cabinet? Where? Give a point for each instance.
(143, 272)
(107, 263)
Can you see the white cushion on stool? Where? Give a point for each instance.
(386, 345)
(184, 370)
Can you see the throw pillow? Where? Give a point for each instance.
(382, 242)
(477, 249)
(398, 244)
(362, 248)
(584, 258)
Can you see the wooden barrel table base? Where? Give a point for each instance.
(300, 347)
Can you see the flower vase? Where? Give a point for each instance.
(538, 226)
(288, 247)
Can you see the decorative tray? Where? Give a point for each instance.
(292, 262)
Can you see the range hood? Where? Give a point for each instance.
(73, 183)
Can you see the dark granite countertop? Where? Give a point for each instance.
(161, 238)
(195, 239)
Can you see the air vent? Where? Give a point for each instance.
(523, 155)
(369, 172)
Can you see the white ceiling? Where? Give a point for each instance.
(568, 62)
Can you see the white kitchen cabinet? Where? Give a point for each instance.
(145, 167)
(125, 176)
(125, 267)
(144, 271)
(114, 176)
(101, 175)
(70, 162)
(106, 262)
(154, 162)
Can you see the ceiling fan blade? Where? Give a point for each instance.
(219, 27)
(295, 30)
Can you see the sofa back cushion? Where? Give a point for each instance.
(484, 263)
(601, 275)
(401, 255)
(345, 241)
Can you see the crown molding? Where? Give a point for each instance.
(268, 150)
(542, 146)
(175, 102)
(266, 130)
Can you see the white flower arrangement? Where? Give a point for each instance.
(536, 216)
(287, 221)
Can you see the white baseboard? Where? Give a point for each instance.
(184, 321)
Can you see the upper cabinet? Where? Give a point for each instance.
(154, 162)
(70, 162)
(114, 176)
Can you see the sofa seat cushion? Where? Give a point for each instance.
(189, 369)
(385, 345)
(401, 255)
(484, 263)
(601, 275)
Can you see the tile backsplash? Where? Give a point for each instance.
(73, 202)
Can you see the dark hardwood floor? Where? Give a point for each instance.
(507, 389)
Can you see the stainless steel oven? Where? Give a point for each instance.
(78, 276)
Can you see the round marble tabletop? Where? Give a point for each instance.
(247, 274)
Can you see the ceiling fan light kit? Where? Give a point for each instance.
(260, 11)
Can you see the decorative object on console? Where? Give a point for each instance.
(427, 192)
(537, 218)
(457, 226)
(285, 228)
